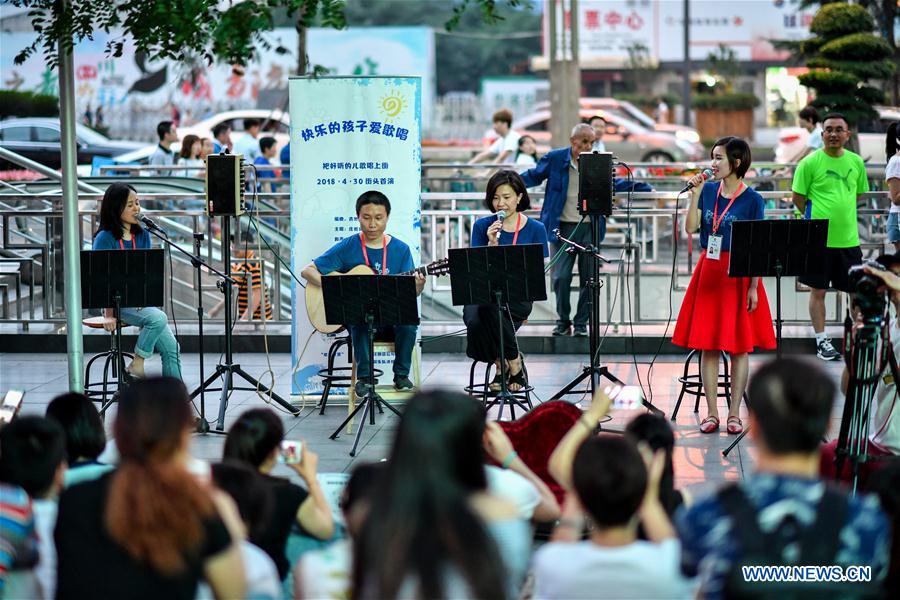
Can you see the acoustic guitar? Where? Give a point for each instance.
(315, 304)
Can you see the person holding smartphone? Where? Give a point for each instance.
(721, 313)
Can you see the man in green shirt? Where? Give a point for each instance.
(827, 185)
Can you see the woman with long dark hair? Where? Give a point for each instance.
(721, 313)
(150, 529)
(505, 194)
(433, 529)
(255, 440)
(120, 229)
(191, 156)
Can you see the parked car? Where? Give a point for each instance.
(870, 134)
(628, 140)
(38, 138)
(275, 123)
(627, 110)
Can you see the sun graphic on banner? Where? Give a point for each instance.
(392, 105)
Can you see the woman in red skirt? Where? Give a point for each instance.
(721, 312)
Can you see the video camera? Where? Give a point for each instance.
(869, 298)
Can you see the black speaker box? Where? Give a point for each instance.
(595, 183)
(224, 184)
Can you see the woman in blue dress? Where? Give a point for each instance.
(120, 229)
(505, 194)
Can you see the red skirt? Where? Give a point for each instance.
(714, 312)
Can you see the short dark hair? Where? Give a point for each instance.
(792, 411)
(265, 143)
(253, 437)
(591, 120)
(81, 424)
(610, 479)
(735, 149)
(836, 115)
(248, 123)
(503, 115)
(511, 178)
(220, 129)
(888, 260)
(253, 497)
(31, 450)
(362, 484)
(163, 128)
(810, 114)
(373, 197)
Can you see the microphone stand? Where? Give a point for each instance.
(198, 264)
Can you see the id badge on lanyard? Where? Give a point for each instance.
(714, 247)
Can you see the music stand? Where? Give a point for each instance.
(498, 275)
(117, 279)
(776, 248)
(373, 301)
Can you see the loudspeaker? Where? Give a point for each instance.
(595, 183)
(224, 184)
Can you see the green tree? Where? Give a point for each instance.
(844, 56)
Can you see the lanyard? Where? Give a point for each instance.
(122, 244)
(362, 242)
(716, 219)
(518, 223)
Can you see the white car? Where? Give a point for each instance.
(275, 123)
(871, 137)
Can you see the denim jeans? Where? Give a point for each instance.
(155, 335)
(404, 343)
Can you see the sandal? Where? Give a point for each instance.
(709, 425)
(735, 425)
(517, 379)
(496, 383)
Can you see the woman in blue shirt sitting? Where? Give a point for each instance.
(505, 193)
(120, 230)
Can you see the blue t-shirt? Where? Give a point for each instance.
(347, 254)
(104, 240)
(749, 206)
(285, 156)
(532, 232)
(264, 173)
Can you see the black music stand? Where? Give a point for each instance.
(498, 275)
(117, 279)
(776, 248)
(373, 301)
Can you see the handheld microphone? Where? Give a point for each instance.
(705, 174)
(149, 222)
(501, 214)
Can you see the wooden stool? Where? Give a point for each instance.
(521, 398)
(113, 360)
(692, 384)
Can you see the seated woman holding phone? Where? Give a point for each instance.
(257, 439)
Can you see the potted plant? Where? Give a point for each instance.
(720, 110)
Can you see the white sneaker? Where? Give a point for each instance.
(825, 350)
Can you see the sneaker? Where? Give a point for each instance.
(402, 383)
(825, 350)
(561, 329)
(581, 331)
(361, 389)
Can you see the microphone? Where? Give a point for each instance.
(150, 223)
(501, 214)
(705, 174)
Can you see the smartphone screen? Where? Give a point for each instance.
(625, 397)
(290, 452)
(11, 405)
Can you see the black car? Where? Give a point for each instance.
(39, 140)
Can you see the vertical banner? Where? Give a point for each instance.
(348, 135)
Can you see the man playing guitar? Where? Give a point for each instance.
(385, 255)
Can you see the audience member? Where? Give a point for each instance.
(526, 155)
(85, 437)
(18, 541)
(207, 147)
(285, 156)
(504, 148)
(598, 124)
(327, 573)
(221, 138)
(267, 150)
(892, 178)
(886, 484)
(661, 112)
(607, 478)
(163, 155)
(435, 530)
(248, 144)
(190, 156)
(254, 503)
(150, 529)
(33, 456)
(653, 430)
(808, 119)
(783, 514)
(253, 295)
(255, 439)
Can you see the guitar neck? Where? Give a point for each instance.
(423, 271)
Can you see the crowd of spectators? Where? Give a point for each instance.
(453, 512)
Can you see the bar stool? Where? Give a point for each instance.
(521, 398)
(338, 377)
(692, 384)
(106, 390)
